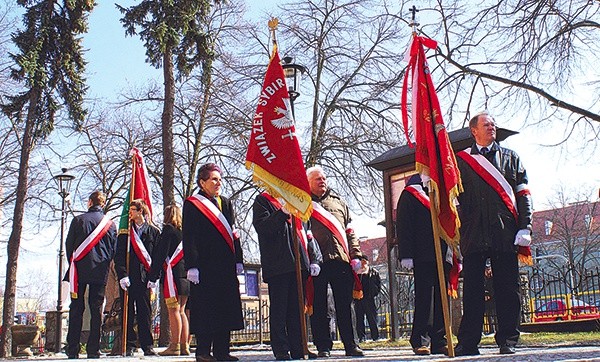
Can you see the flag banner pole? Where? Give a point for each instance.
(440, 270)
(299, 282)
(127, 255)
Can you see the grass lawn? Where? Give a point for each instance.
(527, 339)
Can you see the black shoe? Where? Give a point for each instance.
(355, 352)
(461, 350)
(310, 355)
(284, 357)
(73, 356)
(129, 352)
(505, 349)
(150, 352)
(226, 357)
(93, 355)
(205, 358)
(440, 350)
(324, 354)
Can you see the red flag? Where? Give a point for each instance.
(434, 156)
(273, 152)
(139, 188)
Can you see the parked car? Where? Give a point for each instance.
(559, 310)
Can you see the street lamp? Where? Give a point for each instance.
(64, 185)
(293, 74)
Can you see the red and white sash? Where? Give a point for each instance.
(169, 286)
(418, 192)
(302, 235)
(332, 224)
(492, 177)
(83, 249)
(139, 249)
(216, 217)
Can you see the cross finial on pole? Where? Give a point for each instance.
(413, 22)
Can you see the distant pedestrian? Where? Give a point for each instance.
(366, 307)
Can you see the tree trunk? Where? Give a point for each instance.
(14, 240)
(168, 167)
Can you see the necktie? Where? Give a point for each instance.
(484, 151)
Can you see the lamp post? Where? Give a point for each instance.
(293, 74)
(64, 185)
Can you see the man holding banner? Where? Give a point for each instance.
(342, 259)
(91, 244)
(274, 227)
(143, 237)
(495, 212)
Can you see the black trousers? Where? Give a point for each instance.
(95, 302)
(428, 321)
(338, 274)
(217, 341)
(505, 270)
(366, 308)
(138, 309)
(284, 322)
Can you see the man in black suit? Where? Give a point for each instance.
(91, 244)
(417, 251)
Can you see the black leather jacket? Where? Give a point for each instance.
(486, 222)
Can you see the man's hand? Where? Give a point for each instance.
(407, 263)
(124, 283)
(193, 275)
(239, 268)
(151, 285)
(315, 269)
(523, 237)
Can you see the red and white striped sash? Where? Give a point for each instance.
(332, 224)
(492, 177)
(139, 249)
(216, 217)
(418, 192)
(169, 285)
(83, 249)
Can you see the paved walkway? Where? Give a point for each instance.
(263, 353)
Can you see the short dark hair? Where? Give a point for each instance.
(205, 170)
(475, 118)
(98, 198)
(140, 204)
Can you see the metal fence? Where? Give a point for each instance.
(547, 296)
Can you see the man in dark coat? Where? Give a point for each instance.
(274, 228)
(366, 307)
(416, 251)
(495, 213)
(89, 269)
(135, 280)
(213, 258)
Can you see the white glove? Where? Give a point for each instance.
(151, 285)
(356, 264)
(523, 237)
(124, 283)
(239, 268)
(407, 263)
(193, 275)
(315, 269)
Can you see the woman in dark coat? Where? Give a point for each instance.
(176, 287)
(213, 258)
